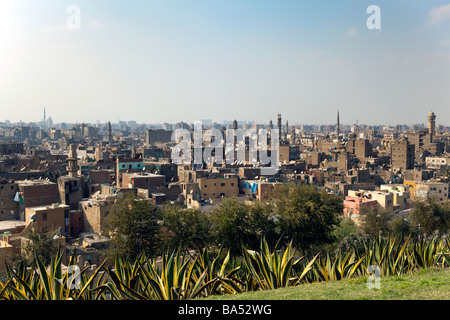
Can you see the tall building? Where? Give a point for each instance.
(235, 125)
(338, 128)
(72, 162)
(402, 155)
(279, 126)
(432, 124)
(109, 132)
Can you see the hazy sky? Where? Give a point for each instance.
(173, 60)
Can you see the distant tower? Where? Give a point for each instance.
(72, 162)
(432, 124)
(292, 137)
(338, 129)
(109, 132)
(287, 127)
(279, 126)
(235, 125)
(45, 120)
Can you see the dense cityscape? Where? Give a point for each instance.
(66, 177)
(210, 150)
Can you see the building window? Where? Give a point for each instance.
(44, 216)
(222, 184)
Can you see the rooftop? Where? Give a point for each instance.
(49, 207)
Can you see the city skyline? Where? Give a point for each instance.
(173, 61)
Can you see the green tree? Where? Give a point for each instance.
(134, 227)
(263, 224)
(307, 215)
(39, 243)
(431, 216)
(375, 221)
(188, 228)
(444, 172)
(229, 226)
(400, 227)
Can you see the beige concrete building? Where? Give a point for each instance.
(401, 195)
(402, 155)
(95, 211)
(48, 218)
(226, 186)
(428, 189)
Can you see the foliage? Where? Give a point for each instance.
(188, 228)
(307, 216)
(375, 221)
(231, 227)
(38, 243)
(431, 215)
(272, 270)
(177, 276)
(134, 226)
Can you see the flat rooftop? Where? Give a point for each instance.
(49, 207)
(10, 225)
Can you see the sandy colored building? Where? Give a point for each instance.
(95, 211)
(225, 186)
(48, 218)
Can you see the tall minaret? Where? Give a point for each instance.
(45, 120)
(235, 125)
(338, 129)
(109, 131)
(432, 124)
(279, 126)
(72, 162)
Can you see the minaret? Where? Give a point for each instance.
(338, 129)
(292, 137)
(72, 162)
(279, 126)
(432, 124)
(109, 131)
(45, 120)
(235, 125)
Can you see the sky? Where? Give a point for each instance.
(157, 61)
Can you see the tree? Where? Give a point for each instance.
(400, 227)
(307, 216)
(444, 172)
(262, 224)
(134, 227)
(431, 215)
(40, 244)
(188, 228)
(230, 228)
(375, 221)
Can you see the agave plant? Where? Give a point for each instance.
(46, 283)
(270, 270)
(223, 279)
(176, 280)
(432, 253)
(391, 256)
(338, 267)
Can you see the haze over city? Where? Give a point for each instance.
(171, 61)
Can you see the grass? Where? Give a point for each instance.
(428, 284)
